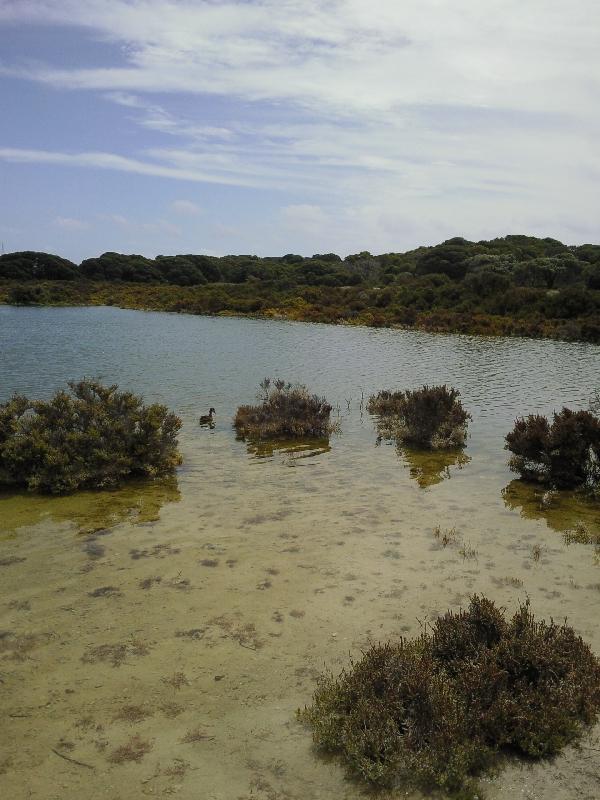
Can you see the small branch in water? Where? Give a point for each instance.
(72, 760)
(247, 646)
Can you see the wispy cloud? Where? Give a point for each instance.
(304, 217)
(353, 57)
(113, 161)
(187, 208)
(155, 117)
(71, 224)
(134, 227)
(383, 120)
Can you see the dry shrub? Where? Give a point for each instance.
(581, 534)
(91, 437)
(438, 710)
(133, 750)
(431, 417)
(285, 411)
(564, 454)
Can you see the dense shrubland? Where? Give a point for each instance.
(285, 411)
(564, 453)
(516, 285)
(435, 711)
(432, 417)
(91, 437)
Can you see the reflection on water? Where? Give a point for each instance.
(561, 510)
(292, 449)
(429, 467)
(89, 511)
(426, 467)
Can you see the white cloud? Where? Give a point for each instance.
(155, 117)
(125, 99)
(70, 224)
(387, 121)
(113, 161)
(341, 55)
(187, 208)
(304, 217)
(136, 227)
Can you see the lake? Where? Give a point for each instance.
(196, 613)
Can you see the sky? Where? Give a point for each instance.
(296, 126)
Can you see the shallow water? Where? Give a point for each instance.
(210, 603)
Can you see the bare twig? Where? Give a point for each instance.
(247, 646)
(72, 760)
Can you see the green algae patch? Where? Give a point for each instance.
(437, 711)
(93, 437)
(89, 510)
(430, 467)
(561, 510)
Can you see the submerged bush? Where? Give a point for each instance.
(92, 437)
(431, 417)
(438, 710)
(286, 411)
(564, 454)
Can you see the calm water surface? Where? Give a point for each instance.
(195, 614)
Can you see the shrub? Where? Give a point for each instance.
(435, 711)
(564, 453)
(92, 437)
(431, 417)
(286, 411)
(25, 296)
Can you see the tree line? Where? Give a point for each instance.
(488, 266)
(516, 285)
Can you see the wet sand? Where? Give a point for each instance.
(168, 655)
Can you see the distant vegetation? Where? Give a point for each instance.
(564, 453)
(432, 417)
(435, 711)
(516, 285)
(91, 437)
(285, 412)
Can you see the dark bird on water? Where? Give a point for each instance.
(207, 419)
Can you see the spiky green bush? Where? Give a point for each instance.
(91, 437)
(431, 417)
(286, 411)
(438, 710)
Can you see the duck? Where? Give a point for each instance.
(207, 419)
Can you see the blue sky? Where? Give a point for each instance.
(275, 126)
